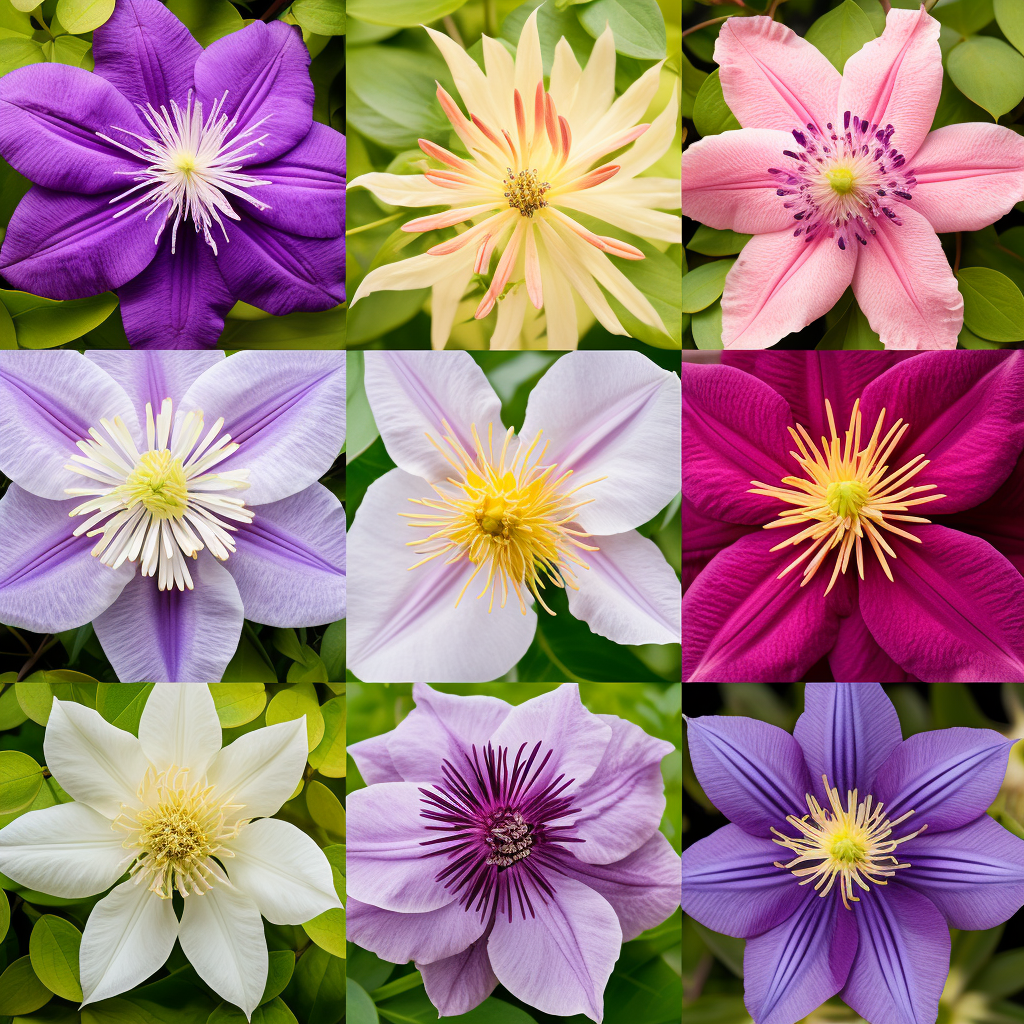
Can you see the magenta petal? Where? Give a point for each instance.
(857, 658)
(753, 772)
(458, 983)
(734, 432)
(974, 874)
(703, 538)
(955, 612)
(731, 884)
(902, 957)
(795, 967)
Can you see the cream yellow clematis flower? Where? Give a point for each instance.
(533, 155)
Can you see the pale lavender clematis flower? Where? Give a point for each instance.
(202, 522)
(509, 844)
(856, 898)
(450, 550)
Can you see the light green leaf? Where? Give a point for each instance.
(5, 914)
(79, 16)
(638, 26)
(657, 277)
(35, 698)
(967, 339)
(20, 779)
(325, 808)
(1010, 15)
(361, 428)
(693, 79)
(401, 12)
(710, 242)
(8, 337)
(989, 72)
(238, 703)
(16, 52)
(707, 327)
(207, 20)
(964, 16)
(122, 704)
(20, 990)
(53, 949)
(45, 323)
(383, 312)
(360, 1008)
(15, 20)
(332, 647)
(309, 669)
(993, 304)
(328, 756)
(74, 51)
(327, 930)
(711, 114)
(324, 330)
(279, 973)
(704, 284)
(324, 17)
(840, 33)
(294, 702)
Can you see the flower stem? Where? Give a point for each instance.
(272, 10)
(47, 643)
(704, 24)
(491, 17)
(375, 224)
(453, 30)
(21, 640)
(413, 980)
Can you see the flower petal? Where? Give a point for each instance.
(857, 657)
(222, 935)
(173, 636)
(461, 981)
(731, 884)
(703, 538)
(150, 376)
(179, 726)
(129, 935)
(373, 759)
(68, 850)
(94, 762)
(282, 871)
(285, 410)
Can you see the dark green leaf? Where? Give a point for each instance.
(319, 986)
(332, 647)
(964, 16)
(711, 114)
(279, 973)
(953, 705)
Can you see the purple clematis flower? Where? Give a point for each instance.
(509, 844)
(827, 504)
(200, 523)
(849, 852)
(184, 178)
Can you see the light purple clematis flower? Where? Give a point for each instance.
(509, 844)
(849, 853)
(184, 178)
(200, 523)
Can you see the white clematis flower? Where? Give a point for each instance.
(175, 811)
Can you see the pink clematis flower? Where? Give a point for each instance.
(840, 181)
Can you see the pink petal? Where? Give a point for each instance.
(968, 175)
(726, 183)
(857, 657)
(703, 538)
(772, 78)
(779, 284)
(905, 287)
(896, 79)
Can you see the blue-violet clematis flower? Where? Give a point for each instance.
(184, 178)
(848, 853)
(198, 473)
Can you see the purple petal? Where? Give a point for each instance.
(373, 759)
(306, 194)
(734, 431)
(703, 538)
(846, 731)
(180, 300)
(731, 884)
(286, 410)
(795, 967)
(289, 565)
(49, 581)
(52, 115)
(643, 888)
(902, 957)
(560, 959)
(49, 402)
(947, 777)
(966, 416)
(955, 612)
(974, 874)
(161, 636)
(151, 376)
(857, 657)
(621, 806)
(66, 246)
(753, 772)
(145, 52)
(460, 982)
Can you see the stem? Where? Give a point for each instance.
(21, 640)
(273, 9)
(956, 261)
(43, 648)
(37, 16)
(700, 976)
(491, 17)
(375, 224)
(453, 30)
(395, 987)
(886, 6)
(704, 24)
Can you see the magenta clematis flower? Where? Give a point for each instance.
(184, 178)
(840, 181)
(200, 523)
(820, 500)
(848, 853)
(509, 844)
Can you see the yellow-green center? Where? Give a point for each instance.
(841, 180)
(846, 497)
(158, 481)
(847, 850)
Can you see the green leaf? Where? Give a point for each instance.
(1010, 15)
(707, 327)
(16, 52)
(953, 705)
(238, 703)
(851, 332)
(993, 304)
(970, 951)
(279, 973)
(552, 25)
(325, 808)
(11, 713)
(964, 16)
(45, 323)
(840, 33)
(711, 114)
(248, 665)
(309, 669)
(36, 699)
(638, 26)
(327, 930)
(20, 990)
(727, 949)
(324, 17)
(328, 756)
(324, 330)
(657, 277)
(20, 779)
(274, 1011)
(117, 1011)
(8, 337)
(122, 704)
(710, 242)
(1003, 975)
(361, 428)
(359, 1005)
(967, 339)
(319, 985)
(401, 12)
(53, 949)
(14, 20)
(5, 914)
(954, 107)
(989, 72)
(294, 702)
(79, 16)
(704, 284)
(74, 51)
(383, 312)
(287, 642)
(693, 79)
(332, 647)
(207, 20)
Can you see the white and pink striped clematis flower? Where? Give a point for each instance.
(840, 181)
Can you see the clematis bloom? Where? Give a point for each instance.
(450, 550)
(849, 853)
(533, 155)
(508, 844)
(183, 178)
(222, 521)
(840, 181)
(175, 811)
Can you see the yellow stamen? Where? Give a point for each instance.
(841, 179)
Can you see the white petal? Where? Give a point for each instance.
(129, 935)
(421, 271)
(630, 593)
(261, 769)
(96, 763)
(222, 935)
(180, 727)
(614, 415)
(282, 870)
(68, 850)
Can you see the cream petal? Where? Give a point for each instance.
(627, 110)
(415, 190)
(620, 213)
(511, 311)
(447, 295)
(179, 726)
(652, 145)
(596, 88)
(559, 305)
(529, 68)
(565, 76)
(477, 93)
(422, 271)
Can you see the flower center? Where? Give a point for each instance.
(850, 844)
(192, 166)
(841, 179)
(525, 192)
(160, 505)
(510, 516)
(848, 494)
(509, 838)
